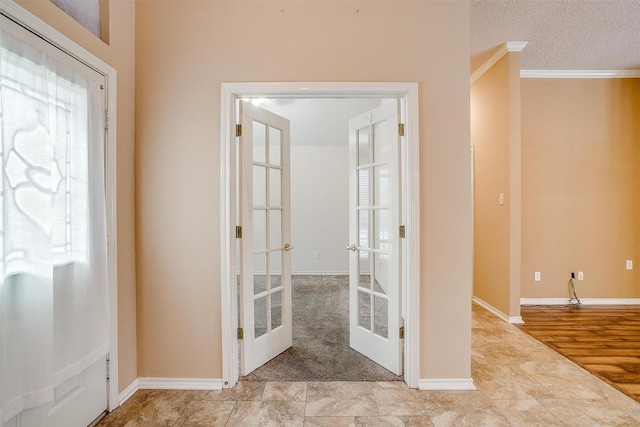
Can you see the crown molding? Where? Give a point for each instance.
(497, 56)
(580, 74)
(516, 46)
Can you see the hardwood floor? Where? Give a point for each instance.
(604, 340)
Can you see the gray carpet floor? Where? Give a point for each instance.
(320, 350)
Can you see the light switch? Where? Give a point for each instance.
(629, 264)
(502, 198)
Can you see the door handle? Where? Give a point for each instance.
(352, 247)
(287, 247)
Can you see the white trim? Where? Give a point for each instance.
(320, 273)
(231, 91)
(27, 20)
(583, 301)
(447, 384)
(498, 313)
(152, 383)
(580, 74)
(128, 392)
(497, 56)
(516, 46)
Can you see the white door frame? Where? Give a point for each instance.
(408, 93)
(36, 25)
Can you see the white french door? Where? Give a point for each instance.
(374, 261)
(265, 265)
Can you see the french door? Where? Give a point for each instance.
(265, 265)
(374, 221)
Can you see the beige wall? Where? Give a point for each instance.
(119, 55)
(495, 135)
(581, 186)
(184, 50)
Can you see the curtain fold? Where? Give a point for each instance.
(53, 266)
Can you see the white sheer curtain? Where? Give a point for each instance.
(53, 265)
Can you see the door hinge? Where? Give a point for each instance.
(240, 333)
(401, 334)
(401, 129)
(238, 130)
(402, 232)
(106, 120)
(108, 367)
(238, 232)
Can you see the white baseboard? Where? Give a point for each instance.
(320, 273)
(447, 384)
(180, 384)
(128, 392)
(498, 313)
(583, 301)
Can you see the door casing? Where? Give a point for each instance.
(407, 93)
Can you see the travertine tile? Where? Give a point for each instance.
(393, 401)
(329, 422)
(390, 421)
(526, 412)
(204, 413)
(580, 412)
(244, 390)
(505, 382)
(266, 414)
(290, 391)
(340, 399)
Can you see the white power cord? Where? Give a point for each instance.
(574, 300)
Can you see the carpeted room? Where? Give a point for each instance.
(319, 198)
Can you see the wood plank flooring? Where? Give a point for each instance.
(604, 340)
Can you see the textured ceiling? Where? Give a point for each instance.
(561, 34)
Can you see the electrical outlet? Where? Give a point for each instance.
(629, 264)
(317, 255)
(580, 275)
(536, 276)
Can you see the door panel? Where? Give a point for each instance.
(266, 315)
(374, 200)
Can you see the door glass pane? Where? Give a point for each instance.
(363, 228)
(381, 273)
(275, 268)
(275, 140)
(380, 316)
(259, 229)
(364, 310)
(276, 309)
(365, 269)
(259, 273)
(382, 231)
(260, 316)
(259, 142)
(275, 187)
(275, 229)
(363, 146)
(259, 186)
(380, 142)
(363, 187)
(381, 186)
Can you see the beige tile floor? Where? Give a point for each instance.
(520, 382)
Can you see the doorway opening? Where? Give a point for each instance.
(404, 95)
